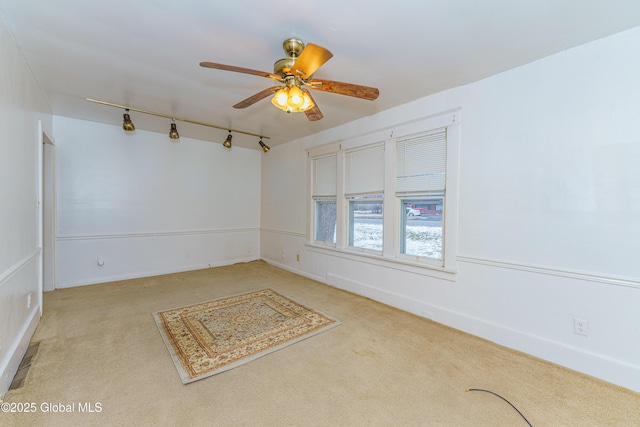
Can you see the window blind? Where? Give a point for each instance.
(421, 162)
(364, 170)
(324, 176)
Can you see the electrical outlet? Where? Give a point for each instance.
(284, 254)
(29, 300)
(100, 263)
(581, 327)
(298, 257)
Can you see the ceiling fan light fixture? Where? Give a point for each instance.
(280, 99)
(295, 100)
(296, 71)
(227, 142)
(127, 124)
(173, 133)
(292, 99)
(308, 102)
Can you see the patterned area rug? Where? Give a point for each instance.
(215, 336)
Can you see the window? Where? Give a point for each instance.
(364, 188)
(325, 221)
(420, 188)
(390, 195)
(421, 229)
(365, 222)
(324, 198)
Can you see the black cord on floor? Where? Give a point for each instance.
(496, 394)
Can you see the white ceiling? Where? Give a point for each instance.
(146, 54)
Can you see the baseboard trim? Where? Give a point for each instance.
(17, 350)
(395, 300)
(597, 365)
(140, 274)
(296, 271)
(594, 364)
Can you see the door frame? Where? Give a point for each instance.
(46, 212)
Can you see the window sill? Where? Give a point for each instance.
(394, 263)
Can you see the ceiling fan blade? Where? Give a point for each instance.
(257, 97)
(313, 114)
(240, 70)
(311, 58)
(357, 91)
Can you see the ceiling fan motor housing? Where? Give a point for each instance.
(293, 48)
(283, 66)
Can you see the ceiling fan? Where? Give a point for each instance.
(295, 73)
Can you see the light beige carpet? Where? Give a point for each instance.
(381, 367)
(208, 338)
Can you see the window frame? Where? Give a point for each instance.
(317, 201)
(401, 235)
(318, 154)
(364, 200)
(390, 255)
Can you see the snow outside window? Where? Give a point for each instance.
(365, 223)
(421, 227)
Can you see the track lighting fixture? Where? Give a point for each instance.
(173, 133)
(264, 146)
(227, 142)
(127, 124)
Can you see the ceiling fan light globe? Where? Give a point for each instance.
(280, 99)
(308, 103)
(296, 98)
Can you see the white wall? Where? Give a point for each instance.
(146, 205)
(23, 112)
(549, 211)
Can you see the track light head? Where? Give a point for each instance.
(227, 142)
(264, 146)
(127, 124)
(173, 133)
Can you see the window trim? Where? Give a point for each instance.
(402, 200)
(394, 263)
(445, 269)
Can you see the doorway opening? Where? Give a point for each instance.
(48, 214)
